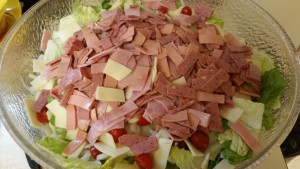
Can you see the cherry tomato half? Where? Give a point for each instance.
(186, 10)
(163, 9)
(116, 133)
(94, 152)
(42, 116)
(200, 140)
(144, 161)
(142, 121)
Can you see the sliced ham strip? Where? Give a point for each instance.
(72, 76)
(163, 67)
(246, 135)
(173, 54)
(106, 43)
(128, 35)
(254, 72)
(97, 68)
(211, 39)
(217, 53)
(176, 117)
(93, 115)
(71, 117)
(193, 121)
(182, 91)
(167, 39)
(139, 39)
(54, 93)
(98, 56)
(73, 45)
(83, 124)
(204, 11)
(97, 80)
(124, 109)
(133, 11)
(131, 139)
(167, 29)
(132, 63)
(69, 91)
(81, 102)
(215, 81)
(139, 75)
(82, 114)
(76, 143)
(231, 39)
(110, 82)
(239, 60)
(147, 146)
(247, 92)
(204, 118)
(153, 111)
(122, 56)
(215, 123)
(45, 37)
(151, 4)
(91, 39)
(189, 60)
(63, 66)
(178, 130)
(210, 97)
(41, 101)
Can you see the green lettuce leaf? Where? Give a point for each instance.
(212, 164)
(233, 158)
(111, 162)
(75, 163)
(106, 4)
(214, 20)
(84, 14)
(182, 158)
(54, 145)
(273, 84)
(50, 99)
(178, 4)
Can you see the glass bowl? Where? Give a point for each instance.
(242, 17)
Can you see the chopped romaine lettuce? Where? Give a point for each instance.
(213, 163)
(273, 84)
(214, 20)
(233, 158)
(50, 99)
(238, 145)
(73, 163)
(178, 4)
(263, 61)
(106, 4)
(60, 132)
(84, 14)
(225, 124)
(54, 145)
(116, 4)
(111, 162)
(182, 158)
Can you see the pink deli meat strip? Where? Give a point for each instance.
(242, 131)
(75, 144)
(71, 117)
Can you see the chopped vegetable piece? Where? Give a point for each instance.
(142, 121)
(200, 140)
(94, 152)
(42, 116)
(117, 133)
(186, 10)
(163, 9)
(144, 161)
(54, 145)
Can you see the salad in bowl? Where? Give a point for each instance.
(150, 84)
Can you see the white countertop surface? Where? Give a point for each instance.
(285, 11)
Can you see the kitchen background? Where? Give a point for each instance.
(287, 14)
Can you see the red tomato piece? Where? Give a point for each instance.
(200, 140)
(163, 9)
(116, 133)
(142, 121)
(42, 116)
(186, 10)
(144, 161)
(94, 152)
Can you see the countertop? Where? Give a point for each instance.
(285, 11)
